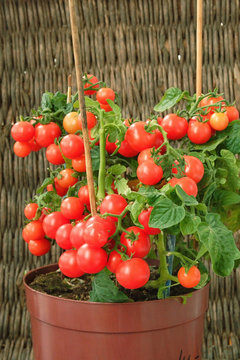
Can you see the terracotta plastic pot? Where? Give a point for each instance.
(65, 329)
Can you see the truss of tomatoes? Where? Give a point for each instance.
(92, 243)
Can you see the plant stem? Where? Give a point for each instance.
(102, 169)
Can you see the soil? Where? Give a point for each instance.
(55, 284)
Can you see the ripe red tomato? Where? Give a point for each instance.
(72, 207)
(105, 107)
(76, 236)
(68, 264)
(145, 155)
(63, 236)
(71, 122)
(91, 259)
(92, 80)
(194, 168)
(22, 149)
(30, 210)
(39, 247)
(149, 173)
(22, 131)
(83, 195)
(107, 223)
(53, 155)
(232, 113)
(187, 184)
(211, 101)
(143, 218)
(52, 222)
(159, 141)
(113, 204)
(114, 260)
(34, 230)
(95, 234)
(105, 94)
(175, 126)
(72, 146)
(110, 146)
(61, 191)
(138, 248)
(25, 235)
(34, 145)
(219, 121)
(138, 138)
(79, 164)
(46, 134)
(126, 150)
(189, 279)
(199, 132)
(133, 273)
(67, 178)
(91, 120)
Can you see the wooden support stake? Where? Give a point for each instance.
(69, 93)
(78, 66)
(199, 48)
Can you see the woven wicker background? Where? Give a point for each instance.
(140, 47)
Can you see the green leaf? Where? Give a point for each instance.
(201, 207)
(90, 103)
(166, 214)
(115, 108)
(189, 224)
(49, 199)
(46, 102)
(95, 155)
(104, 290)
(122, 187)
(203, 281)
(59, 101)
(171, 97)
(225, 197)
(186, 199)
(229, 162)
(202, 251)
(135, 210)
(117, 169)
(232, 142)
(210, 145)
(220, 244)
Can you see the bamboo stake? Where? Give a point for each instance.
(69, 93)
(199, 48)
(78, 66)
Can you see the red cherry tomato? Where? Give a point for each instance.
(113, 204)
(194, 168)
(189, 279)
(211, 101)
(53, 155)
(105, 107)
(105, 94)
(91, 120)
(232, 113)
(39, 247)
(72, 207)
(159, 141)
(34, 230)
(133, 273)
(77, 233)
(52, 222)
(114, 260)
(143, 218)
(175, 126)
(68, 264)
(138, 138)
(187, 184)
(107, 223)
(91, 259)
(46, 134)
(30, 210)
(219, 121)
(67, 179)
(110, 146)
(83, 195)
(61, 191)
(91, 81)
(199, 132)
(63, 236)
(95, 234)
(149, 173)
(34, 145)
(138, 248)
(22, 131)
(79, 164)
(126, 150)
(22, 149)
(72, 146)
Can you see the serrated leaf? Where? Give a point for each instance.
(49, 199)
(189, 224)
(220, 244)
(232, 142)
(90, 103)
(104, 290)
(201, 207)
(122, 187)
(46, 102)
(117, 169)
(166, 214)
(210, 145)
(171, 97)
(59, 101)
(229, 162)
(186, 199)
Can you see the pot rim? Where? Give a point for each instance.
(28, 287)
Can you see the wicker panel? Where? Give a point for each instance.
(140, 47)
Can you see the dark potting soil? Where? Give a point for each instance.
(55, 284)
